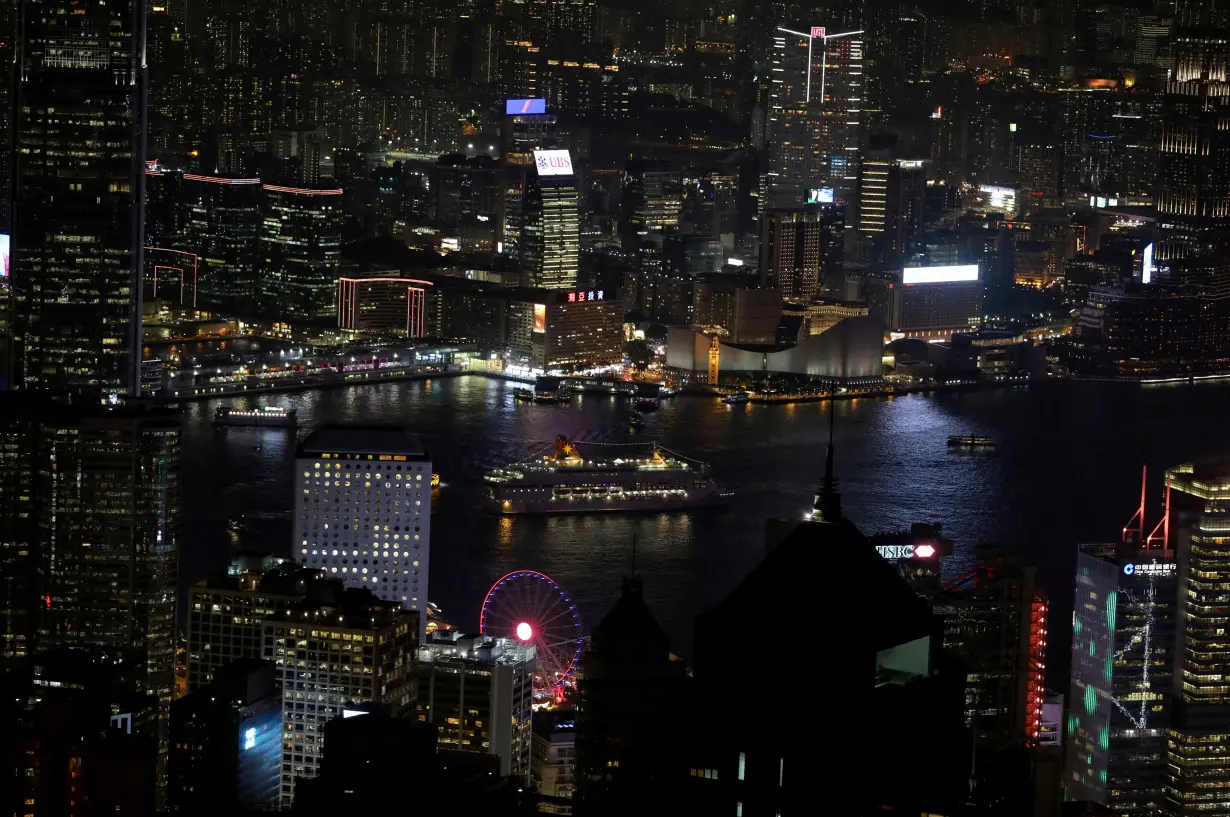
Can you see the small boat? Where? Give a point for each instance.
(647, 404)
(636, 420)
(524, 395)
(238, 525)
(970, 441)
(735, 399)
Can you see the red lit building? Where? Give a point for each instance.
(391, 305)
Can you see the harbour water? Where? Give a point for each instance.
(1066, 470)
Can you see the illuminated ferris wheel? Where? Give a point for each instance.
(530, 608)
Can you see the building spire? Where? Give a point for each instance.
(827, 505)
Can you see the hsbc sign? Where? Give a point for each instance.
(553, 162)
(896, 553)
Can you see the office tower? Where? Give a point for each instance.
(222, 227)
(466, 189)
(927, 302)
(653, 199)
(478, 691)
(1193, 182)
(553, 757)
(802, 250)
(1199, 740)
(226, 742)
(225, 612)
(383, 305)
(21, 600)
(69, 727)
(815, 113)
(107, 490)
(366, 648)
(838, 129)
(78, 233)
(363, 511)
(551, 231)
(890, 207)
(1123, 649)
(301, 244)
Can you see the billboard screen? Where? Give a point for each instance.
(540, 318)
(999, 198)
(1146, 266)
(939, 275)
(4, 255)
(553, 162)
(820, 195)
(513, 107)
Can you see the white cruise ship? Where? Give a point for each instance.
(568, 482)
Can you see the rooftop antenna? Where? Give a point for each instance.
(1139, 517)
(827, 505)
(1163, 525)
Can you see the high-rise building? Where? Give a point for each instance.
(107, 505)
(301, 244)
(222, 228)
(802, 250)
(927, 302)
(653, 199)
(226, 742)
(1198, 744)
(553, 757)
(330, 659)
(550, 239)
(225, 612)
(79, 146)
(1123, 650)
(815, 113)
(363, 511)
(890, 206)
(1193, 192)
(479, 693)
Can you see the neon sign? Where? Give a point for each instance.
(898, 552)
(817, 31)
(582, 297)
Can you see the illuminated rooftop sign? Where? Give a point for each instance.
(553, 162)
(896, 553)
(514, 107)
(939, 275)
(1160, 570)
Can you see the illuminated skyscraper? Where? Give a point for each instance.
(551, 233)
(1199, 740)
(363, 511)
(1193, 192)
(815, 113)
(1120, 701)
(301, 244)
(803, 250)
(223, 221)
(79, 139)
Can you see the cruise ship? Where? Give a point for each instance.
(568, 482)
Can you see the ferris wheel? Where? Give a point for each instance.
(530, 608)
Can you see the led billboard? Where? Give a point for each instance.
(553, 162)
(540, 318)
(4, 255)
(512, 107)
(820, 195)
(939, 275)
(1146, 265)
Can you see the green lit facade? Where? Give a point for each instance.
(1120, 699)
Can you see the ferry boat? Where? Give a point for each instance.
(970, 441)
(567, 482)
(647, 404)
(524, 395)
(738, 397)
(268, 416)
